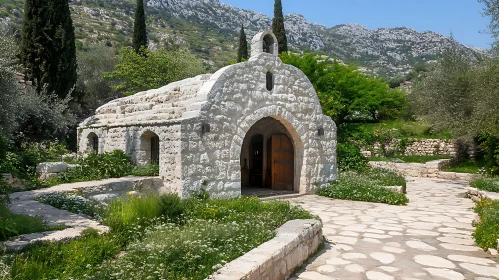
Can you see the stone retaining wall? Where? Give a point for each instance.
(417, 147)
(430, 169)
(276, 259)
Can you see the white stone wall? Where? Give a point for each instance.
(417, 147)
(231, 101)
(128, 139)
(237, 99)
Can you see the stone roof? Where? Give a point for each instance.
(168, 104)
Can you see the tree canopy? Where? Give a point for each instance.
(151, 69)
(345, 92)
(278, 27)
(242, 52)
(139, 39)
(48, 51)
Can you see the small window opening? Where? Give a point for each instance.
(268, 44)
(155, 150)
(270, 81)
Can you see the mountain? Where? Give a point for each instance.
(210, 28)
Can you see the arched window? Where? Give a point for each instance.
(93, 142)
(270, 81)
(149, 148)
(268, 44)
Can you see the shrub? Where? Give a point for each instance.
(486, 184)
(93, 167)
(350, 158)
(366, 187)
(146, 170)
(486, 231)
(5, 190)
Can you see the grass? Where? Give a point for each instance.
(162, 237)
(486, 184)
(468, 166)
(14, 224)
(410, 159)
(487, 230)
(366, 186)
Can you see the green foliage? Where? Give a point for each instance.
(114, 164)
(64, 260)
(278, 27)
(5, 190)
(93, 62)
(350, 158)
(195, 238)
(486, 184)
(48, 50)
(146, 170)
(490, 145)
(139, 40)
(345, 92)
(151, 69)
(242, 52)
(366, 186)
(15, 224)
(22, 161)
(487, 230)
(473, 166)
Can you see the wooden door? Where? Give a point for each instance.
(282, 163)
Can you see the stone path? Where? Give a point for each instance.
(430, 238)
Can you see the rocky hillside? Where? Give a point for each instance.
(209, 28)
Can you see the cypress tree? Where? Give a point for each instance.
(242, 52)
(278, 27)
(139, 27)
(48, 50)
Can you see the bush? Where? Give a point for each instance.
(367, 187)
(5, 190)
(350, 158)
(93, 167)
(486, 231)
(486, 184)
(146, 170)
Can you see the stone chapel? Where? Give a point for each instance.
(255, 124)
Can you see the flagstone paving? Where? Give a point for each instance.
(430, 238)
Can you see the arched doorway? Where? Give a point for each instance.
(149, 149)
(268, 157)
(93, 143)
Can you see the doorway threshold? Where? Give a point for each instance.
(268, 194)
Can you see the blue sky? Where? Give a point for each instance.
(461, 17)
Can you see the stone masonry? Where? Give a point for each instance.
(202, 122)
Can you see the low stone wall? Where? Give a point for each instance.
(25, 203)
(16, 183)
(417, 147)
(477, 195)
(430, 169)
(276, 259)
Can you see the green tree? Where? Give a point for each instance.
(92, 64)
(278, 27)
(139, 40)
(48, 50)
(27, 115)
(346, 93)
(460, 95)
(242, 52)
(151, 69)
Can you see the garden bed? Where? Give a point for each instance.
(486, 233)
(161, 237)
(372, 185)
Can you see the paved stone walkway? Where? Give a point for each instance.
(430, 238)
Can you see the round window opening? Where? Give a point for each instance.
(270, 81)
